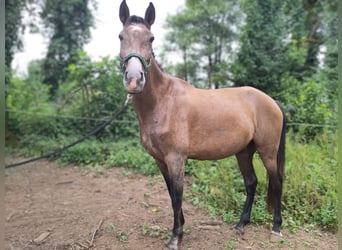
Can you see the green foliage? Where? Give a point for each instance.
(90, 96)
(308, 106)
(27, 98)
(311, 185)
(153, 231)
(119, 234)
(94, 90)
(92, 152)
(219, 185)
(131, 154)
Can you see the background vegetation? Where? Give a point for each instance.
(286, 48)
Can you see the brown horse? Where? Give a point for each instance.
(178, 121)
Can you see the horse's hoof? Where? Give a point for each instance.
(276, 236)
(172, 244)
(239, 230)
(277, 233)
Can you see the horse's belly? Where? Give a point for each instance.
(218, 145)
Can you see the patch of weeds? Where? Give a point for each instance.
(257, 228)
(112, 227)
(85, 171)
(281, 243)
(152, 231)
(119, 234)
(146, 204)
(127, 172)
(98, 169)
(308, 243)
(195, 201)
(232, 244)
(150, 181)
(186, 230)
(186, 195)
(229, 217)
(167, 237)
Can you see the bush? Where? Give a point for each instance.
(27, 98)
(130, 153)
(308, 107)
(94, 91)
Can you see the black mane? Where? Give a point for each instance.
(137, 19)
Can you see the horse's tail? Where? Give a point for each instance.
(280, 166)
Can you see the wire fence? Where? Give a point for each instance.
(69, 117)
(290, 124)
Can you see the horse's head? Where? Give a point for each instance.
(136, 47)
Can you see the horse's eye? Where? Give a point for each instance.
(151, 39)
(120, 37)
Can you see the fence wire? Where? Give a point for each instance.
(290, 124)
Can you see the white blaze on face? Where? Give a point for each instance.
(135, 28)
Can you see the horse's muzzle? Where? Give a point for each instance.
(134, 77)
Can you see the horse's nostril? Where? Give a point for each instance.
(126, 75)
(142, 76)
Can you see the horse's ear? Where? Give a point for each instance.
(124, 12)
(150, 14)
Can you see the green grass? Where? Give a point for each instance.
(310, 185)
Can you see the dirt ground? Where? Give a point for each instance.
(71, 207)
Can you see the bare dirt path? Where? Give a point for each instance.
(51, 207)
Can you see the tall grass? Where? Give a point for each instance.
(310, 185)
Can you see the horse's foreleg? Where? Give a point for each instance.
(176, 194)
(244, 159)
(174, 178)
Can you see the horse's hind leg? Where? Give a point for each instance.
(244, 159)
(274, 191)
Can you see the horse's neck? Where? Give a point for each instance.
(154, 90)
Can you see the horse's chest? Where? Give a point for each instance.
(161, 136)
(151, 138)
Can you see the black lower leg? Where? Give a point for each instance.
(246, 212)
(277, 220)
(176, 194)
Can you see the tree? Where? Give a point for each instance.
(12, 27)
(12, 43)
(204, 31)
(330, 34)
(261, 61)
(67, 24)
